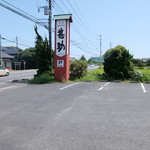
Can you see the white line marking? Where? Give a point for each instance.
(107, 83)
(11, 87)
(100, 88)
(103, 86)
(144, 90)
(69, 86)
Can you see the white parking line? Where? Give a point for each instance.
(143, 87)
(11, 87)
(103, 86)
(69, 86)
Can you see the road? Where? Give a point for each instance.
(90, 68)
(16, 75)
(25, 74)
(75, 116)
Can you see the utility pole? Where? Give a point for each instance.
(1, 49)
(110, 45)
(100, 45)
(48, 11)
(17, 42)
(50, 30)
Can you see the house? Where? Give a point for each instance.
(7, 59)
(72, 59)
(12, 51)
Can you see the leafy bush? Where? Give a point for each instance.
(78, 69)
(146, 77)
(137, 76)
(141, 65)
(118, 63)
(41, 79)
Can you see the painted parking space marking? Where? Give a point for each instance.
(69, 85)
(11, 87)
(143, 88)
(103, 86)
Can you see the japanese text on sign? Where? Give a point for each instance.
(61, 38)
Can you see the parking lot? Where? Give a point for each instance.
(75, 116)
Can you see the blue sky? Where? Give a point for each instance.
(121, 22)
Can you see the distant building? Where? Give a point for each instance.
(144, 60)
(13, 51)
(7, 59)
(72, 58)
(97, 59)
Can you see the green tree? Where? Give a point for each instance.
(28, 56)
(83, 58)
(118, 63)
(42, 54)
(148, 62)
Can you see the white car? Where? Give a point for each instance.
(3, 71)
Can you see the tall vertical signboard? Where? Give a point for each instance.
(62, 47)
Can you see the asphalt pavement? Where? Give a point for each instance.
(17, 75)
(75, 116)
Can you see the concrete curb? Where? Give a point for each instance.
(21, 81)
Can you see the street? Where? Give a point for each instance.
(75, 116)
(17, 75)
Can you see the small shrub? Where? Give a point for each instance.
(41, 79)
(141, 77)
(137, 76)
(78, 69)
(146, 77)
(118, 63)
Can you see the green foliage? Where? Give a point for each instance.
(95, 75)
(83, 58)
(136, 61)
(28, 56)
(41, 79)
(137, 76)
(42, 54)
(90, 61)
(141, 65)
(78, 69)
(148, 62)
(118, 63)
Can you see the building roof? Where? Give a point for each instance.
(10, 50)
(63, 16)
(5, 55)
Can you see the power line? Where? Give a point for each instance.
(24, 15)
(74, 26)
(87, 51)
(70, 12)
(14, 42)
(18, 9)
(100, 39)
(78, 15)
(79, 22)
(82, 15)
(58, 7)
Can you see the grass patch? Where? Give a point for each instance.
(94, 75)
(42, 79)
(98, 74)
(144, 71)
(146, 74)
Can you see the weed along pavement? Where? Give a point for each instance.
(75, 116)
